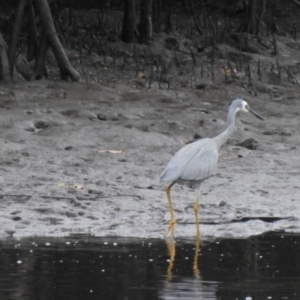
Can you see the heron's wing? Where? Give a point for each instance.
(196, 161)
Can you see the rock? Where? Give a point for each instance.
(40, 125)
(102, 117)
(172, 43)
(250, 144)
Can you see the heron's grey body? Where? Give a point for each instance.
(197, 161)
(193, 163)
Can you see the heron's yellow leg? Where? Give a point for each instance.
(170, 230)
(196, 210)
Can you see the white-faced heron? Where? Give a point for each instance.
(197, 161)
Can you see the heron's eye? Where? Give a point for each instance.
(247, 107)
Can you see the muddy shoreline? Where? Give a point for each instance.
(57, 177)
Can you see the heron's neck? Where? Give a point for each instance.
(222, 138)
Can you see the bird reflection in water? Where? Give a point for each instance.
(171, 248)
(179, 286)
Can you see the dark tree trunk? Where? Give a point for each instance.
(156, 15)
(261, 14)
(129, 20)
(15, 35)
(35, 50)
(32, 33)
(4, 65)
(197, 19)
(146, 22)
(169, 16)
(66, 69)
(39, 66)
(252, 17)
(185, 4)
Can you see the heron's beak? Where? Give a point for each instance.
(255, 114)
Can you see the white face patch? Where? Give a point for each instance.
(245, 106)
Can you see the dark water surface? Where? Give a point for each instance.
(85, 267)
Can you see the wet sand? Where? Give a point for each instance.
(57, 177)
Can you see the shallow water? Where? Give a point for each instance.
(85, 267)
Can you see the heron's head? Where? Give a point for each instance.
(239, 104)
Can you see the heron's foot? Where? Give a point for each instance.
(171, 229)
